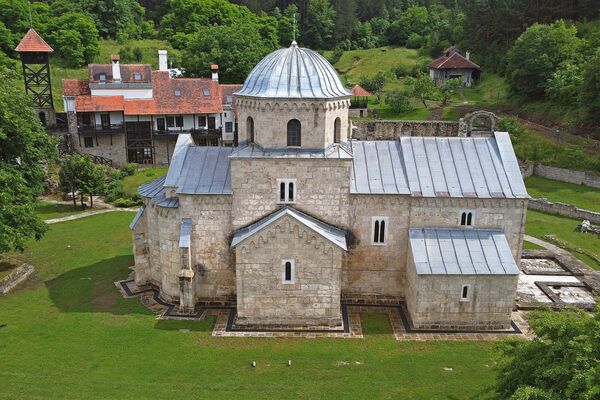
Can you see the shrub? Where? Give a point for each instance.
(114, 190)
(414, 41)
(128, 169)
(336, 55)
(124, 202)
(402, 70)
(398, 100)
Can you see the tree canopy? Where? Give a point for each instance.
(24, 148)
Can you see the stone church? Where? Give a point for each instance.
(299, 219)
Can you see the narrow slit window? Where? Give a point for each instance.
(465, 293)
(291, 191)
(282, 191)
(379, 234)
(288, 271)
(469, 219)
(287, 190)
(463, 219)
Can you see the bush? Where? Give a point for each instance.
(414, 41)
(115, 190)
(336, 55)
(398, 100)
(128, 169)
(402, 70)
(137, 54)
(124, 202)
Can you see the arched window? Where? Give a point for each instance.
(376, 232)
(291, 192)
(466, 218)
(250, 130)
(337, 130)
(282, 191)
(288, 271)
(294, 133)
(469, 219)
(379, 230)
(463, 218)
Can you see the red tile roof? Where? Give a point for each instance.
(33, 43)
(99, 103)
(358, 90)
(127, 72)
(75, 87)
(115, 57)
(191, 100)
(456, 60)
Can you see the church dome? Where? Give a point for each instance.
(295, 73)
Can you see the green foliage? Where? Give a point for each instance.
(115, 19)
(560, 363)
(402, 70)
(413, 20)
(565, 83)
(398, 100)
(414, 41)
(320, 23)
(449, 89)
(24, 147)
(127, 202)
(422, 88)
(128, 169)
(374, 84)
(79, 174)
(335, 55)
(538, 53)
(75, 37)
(237, 49)
(590, 88)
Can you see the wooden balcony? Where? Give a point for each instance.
(112, 128)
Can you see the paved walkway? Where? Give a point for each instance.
(86, 214)
(544, 244)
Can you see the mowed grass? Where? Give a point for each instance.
(48, 210)
(564, 229)
(569, 193)
(141, 176)
(70, 334)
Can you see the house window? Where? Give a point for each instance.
(88, 141)
(288, 267)
(465, 293)
(287, 190)
(206, 92)
(294, 133)
(466, 218)
(202, 121)
(229, 99)
(102, 78)
(177, 92)
(137, 76)
(228, 126)
(170, 122)
(379, 230)
(179, 121)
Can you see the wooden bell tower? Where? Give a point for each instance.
(35, 58)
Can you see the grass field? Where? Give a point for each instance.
(141, 176)
(69, 334)
(568, 193)
(52, 210)
(564, 229)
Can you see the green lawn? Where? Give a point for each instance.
(52, 210)
(531, 246)
(141, 176)
(569, 193)
(69, 334)
(564, 229)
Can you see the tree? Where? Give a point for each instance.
(24, 148)
(74, 36)
(398, 100)
(565, 83)
(589, 96)
(413, 20)
(115, 18)
(422, 88)
(320, 23)
(449, 88)
(236, 49)
(79, 175)
(560, 363)
(537, 54)
(374, 84)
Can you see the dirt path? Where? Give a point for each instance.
(86, 214)
(436, 114)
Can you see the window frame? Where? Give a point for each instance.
(376, 220)
(202, 118)
(137, 76)
(177, 93)
(170, 119)
(102, 78)
(469, 220)
(297, 135)
(469, 292)
(206, 92)
(286, 189)
(292, 271)
(85, 142)
(179, 121)
(228, 127)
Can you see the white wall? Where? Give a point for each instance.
(127, 93)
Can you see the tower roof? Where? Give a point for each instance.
(294, 73)
(33, 43)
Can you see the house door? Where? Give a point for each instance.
(160, 124)
(212, 123)
(105, 120)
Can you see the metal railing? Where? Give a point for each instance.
(101, 128)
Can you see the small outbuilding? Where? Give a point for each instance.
(452, 65)
(359, 102)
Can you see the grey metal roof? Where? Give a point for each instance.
(245, 150)
(155, 191)
(294, 72)
(482, 167)
(335, 235)
(437, 251)
(199, 169)
(185, 233)
(378, 168)
(137, 217)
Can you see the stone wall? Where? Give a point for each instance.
(567, 175)
(434, 301)
(313, 296)
(211, 258)
(114, 149)
(322, 188)
(393, 130)
(163, 150)
(567, 210)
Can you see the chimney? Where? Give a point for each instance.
(116, 69)
(215, 72)
(162, 60)
(468, 55)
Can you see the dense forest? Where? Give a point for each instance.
(544, 48)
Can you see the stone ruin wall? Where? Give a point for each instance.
(393, 130)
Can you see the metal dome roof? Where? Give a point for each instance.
(294, 72)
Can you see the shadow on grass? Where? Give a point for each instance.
(92, 289)
(376, 324)
(205, 325)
